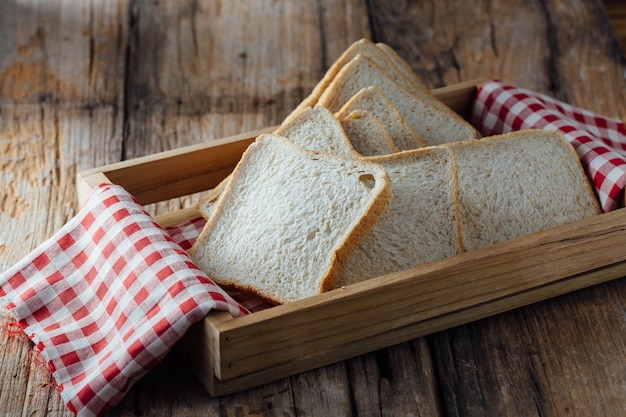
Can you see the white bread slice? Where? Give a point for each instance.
(206, 205)
(402, 65)
(407, 71)
(421, 221)
(288, 218)
(367, 134)
(317, 129)
(434, 125)
(519, 183)
(367, 48)
(375, 101)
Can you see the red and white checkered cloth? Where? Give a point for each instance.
(106, 298)
(599, 141)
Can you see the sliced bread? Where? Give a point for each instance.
(407, 71)
(434, 125)
(367, 48)
(421, 221)
(288, 218)
(313, 128)
(519, 183)
(376, 102)
(317, 129)
(367, 134)
(393, 56)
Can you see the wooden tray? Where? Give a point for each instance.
(232, 354)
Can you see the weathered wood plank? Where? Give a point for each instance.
(343, 22)
(325, 391)
(398, 381)
(63, 54)
(536, 45)
(61, 88)
(196, 72)
(587, 67)
(617, 13)
(452, 41)
(271, 399)
(563, 356)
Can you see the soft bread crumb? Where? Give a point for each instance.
(519, 183)
(288, 218)
(421, 221)
(373, 100)
(434, 123)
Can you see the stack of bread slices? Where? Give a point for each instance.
(370, 175)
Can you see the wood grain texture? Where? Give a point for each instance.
(61, 91)
(400, 380)
(196, 73)
(84, 84)
(545, 46)
(617, 13)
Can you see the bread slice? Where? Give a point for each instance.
(288, 218)
(434, 125)
(393, 56)
(206, 205)
(375, 101)
(317, 129)
(407, 71)
(367, 48)
(421, 221)
(519, 183)
(367, 134)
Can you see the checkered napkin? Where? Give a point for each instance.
(106, 298)
(599, 141)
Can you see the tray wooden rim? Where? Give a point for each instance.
(232, 354)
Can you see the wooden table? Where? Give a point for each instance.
(83, 84)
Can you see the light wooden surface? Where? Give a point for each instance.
(84, 84)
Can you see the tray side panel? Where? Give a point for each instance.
(85, 183)
(174, 173)
(427, 299)
(183, 174)
(459, 97)
(217, 387)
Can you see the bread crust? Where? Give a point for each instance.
(368, 48)
(350, 238)
(367, 134)
(371, 99)
(557, 192)
(417, 105)
(210, 199)
(325, 94)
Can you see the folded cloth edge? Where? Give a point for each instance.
(48, 351)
